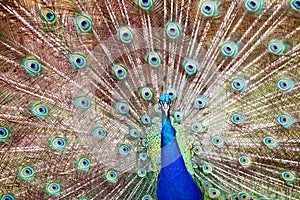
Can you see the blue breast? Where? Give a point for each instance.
(174, 181)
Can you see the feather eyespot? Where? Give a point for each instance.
(58, 143)
(125, 34)
(32, 66)
(48, 15)
(83, 164)
(83, 23)
(173, 30)
(82, 102)
(254, 6)
(111, 176)
(26, 173)
(77, 60)
(229, 49)
(99, 132)
(39, 110)
(4, 133)
(209, 8)
(52, 189)
(154, 59)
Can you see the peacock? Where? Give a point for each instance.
(150, 99)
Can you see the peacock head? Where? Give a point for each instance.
(165, 103)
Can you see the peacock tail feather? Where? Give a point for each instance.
(80, 82)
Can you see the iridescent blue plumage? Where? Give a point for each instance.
(174, 181)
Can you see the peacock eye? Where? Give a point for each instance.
(285, 120)
(99, 132)
(83, 23)
(245, 161)
(239, 84)
(26, 173)
(238, 119)
(146, 93)
(288, 176)
(143, 156)
(58, 143)
(214, 193)
(119, 71)
(197, 150)
(285, 85)
(7, 197)
(147, 197)
(111, 176)
(83, 164)
(144, 142)
(173, 30)
(39, 110)
(207, 169)
(122, 108)
(145, 119)
(244, 195)
(77, 60)
(197, 127)
(52, 189)
(172, 93)
(82, 102)
(218, 141)
(4, 133)
(141, 172)
(200, 101)
(295, 5)
(178, 116)
(125, 34)
(48, 15)
(209, 8)
(145, 4)
(124, 150)
(270, 142)
(206, 185)
(255, 6)
(277, 47)
(154, 59)
(190, 66)
(31, 65)
(229, 49)
(134, 133)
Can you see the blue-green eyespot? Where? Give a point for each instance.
(7, 197)
(255, 6)
(125, 34)
(270, 142)
(146, 93)
(154, 59)
(134, 133)
(39, 110)
(58, 143)
(141, 172)
(289, 176)
(144, 4)
(214, 193)
(147, 197)
(77, 60)
(178, 116)
(173, 30)
(4, 133)
(172, 92)
(190, 66)
(200, 101)
(82, 102)
(207, 169)
(124, 150)
(295, 5)
(119, 71)
(48, 15)
(197, 127)
(52, 189)
(197, 150)
(122, 108)
(285, 120)
(31, 65)
(245, 161)
(99, 132)
(278, 47)
(26, 173)
(238, 119)
(218, 141)
(145, 119)
(111, 176)
(209, 8)
(83, 23)
(229, 49)
(83, 164)
(285, 84)
(239, 84)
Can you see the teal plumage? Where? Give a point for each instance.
(80, 83)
